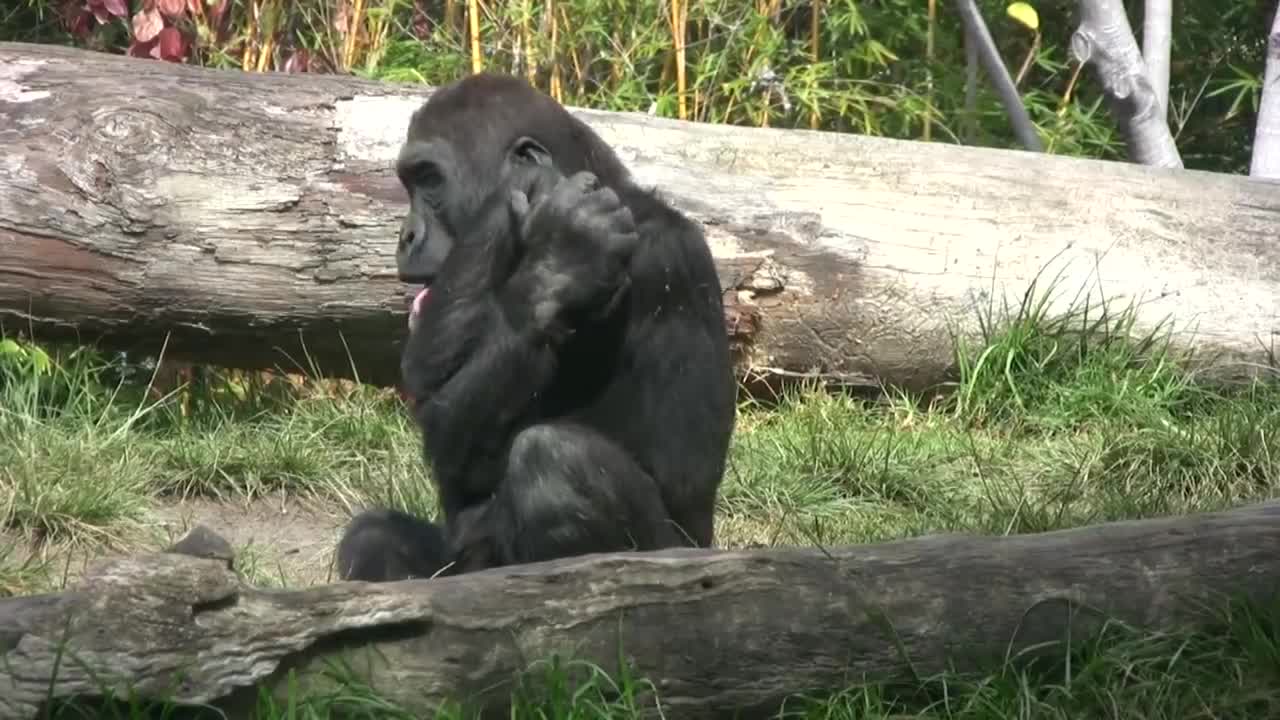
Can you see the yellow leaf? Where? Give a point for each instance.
(1025, 14)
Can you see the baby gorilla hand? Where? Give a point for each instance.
(577, 238)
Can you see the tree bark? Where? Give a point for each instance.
(1105, 41)
(754, 626)
(1157, 44)
(252, 219)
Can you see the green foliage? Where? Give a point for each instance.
(746, 62)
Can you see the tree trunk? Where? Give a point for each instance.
(1105, 41)
(252, 219)
(716, 631)
(1157, 44)
(1265, 162)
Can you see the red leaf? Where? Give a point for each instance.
(219, 11)
(77, 19)
(172, 45)
(82, 26)
(116, 7)
(147, 25)
(140, 50)
(299, 61)
(173, 9)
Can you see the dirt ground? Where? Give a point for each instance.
(278, 541)
(286, 541)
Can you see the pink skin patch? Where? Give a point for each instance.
(415, 310)
(419, 301)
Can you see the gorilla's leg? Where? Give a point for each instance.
(568, 490)
(387, 545)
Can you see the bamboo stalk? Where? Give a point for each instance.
(473, 13)
(1026, 62)
(679, 18)
(615, 70)
(247, 57)
(1071, 86)
(771, 9)
(815, 117)
(268, 40)
(928, 70)
(557, 91)
(579, 73)
(699, 109)
(530, 53)
(746, 61)
(451, 14)
(353, 34)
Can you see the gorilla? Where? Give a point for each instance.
(567, 361)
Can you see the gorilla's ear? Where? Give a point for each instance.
(526, 149)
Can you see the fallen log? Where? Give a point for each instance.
(715, 631)
(250, 219)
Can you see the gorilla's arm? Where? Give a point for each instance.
(475, 364)
(504, 370)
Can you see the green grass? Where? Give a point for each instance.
(1053, 422)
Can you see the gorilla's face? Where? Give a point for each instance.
(467, 149)
(448, 181)
(451, 201)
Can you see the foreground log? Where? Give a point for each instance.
(715, 631)
(252, 219)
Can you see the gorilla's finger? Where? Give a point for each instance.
(604, 203)
(579, 184)
(519, 209)
(519, 205)
(606, 196)
(623, 243)
(621, 220)
(542, 187)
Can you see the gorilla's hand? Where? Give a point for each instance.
(529, 186)
(578, 239)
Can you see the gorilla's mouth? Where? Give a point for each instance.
(415, 308)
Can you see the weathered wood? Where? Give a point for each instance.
(716, 631)
(248, 213)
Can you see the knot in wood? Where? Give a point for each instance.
(133, 132)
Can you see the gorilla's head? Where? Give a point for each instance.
(468, 147)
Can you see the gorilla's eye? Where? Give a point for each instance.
(428, 176)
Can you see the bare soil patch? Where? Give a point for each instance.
(279, 540)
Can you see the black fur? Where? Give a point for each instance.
(570, 370)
